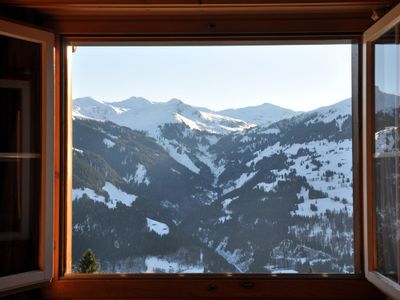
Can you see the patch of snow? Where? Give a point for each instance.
(77, 115)
(238, 258)
(216, 167)
(157, 227)
(141, 175)
(128, 178)
(78, 194)
(169, 204)
(181, 157)
(228, 213)
(176, 171)
(266, 187)
(119, 110)
(245, 139)
(195, 269)
(226, 202)
(272, 131)
(223, 219)
(212, 139)
(191, 124)
(284, 271)
(156, 264)
(116, 244)
(322, 204)
(116, 195)
(238, 183)
(259, 155)
(77, 150)
(303, 193)
(108, 143)
(228, 123)
(112, 203)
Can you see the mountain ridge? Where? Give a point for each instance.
(263, 114)
(218, 202)
(141, 114)
(176, 111)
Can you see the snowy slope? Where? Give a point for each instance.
(157, 227)
(293, 177)
(90, 108)
(141, 114)
(339, 112)
(263, 114)
(115, 196)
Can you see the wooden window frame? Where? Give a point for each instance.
(198, 285)
(45, 259)
(383, 25)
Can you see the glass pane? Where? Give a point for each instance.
(387, 152)
(19, 210)
(20, 95)
(227, 183)
(20, 155)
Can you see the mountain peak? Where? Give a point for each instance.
(263, 114)
(87, 100)
(175, 101)
(343, 106)
(141, 114)
(132, 102)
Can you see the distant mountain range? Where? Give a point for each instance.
(141, 114)
(168, 187)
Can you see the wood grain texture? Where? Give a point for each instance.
(391, 288)
(43, 3)
(222, 25)
(213, 288)
(57, 154)
(357, 156)
(193, 16)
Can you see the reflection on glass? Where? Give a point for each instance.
(20, 155)
(387, 153)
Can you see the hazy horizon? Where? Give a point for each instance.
(216, 77)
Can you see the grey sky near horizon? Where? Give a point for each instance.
(298, 77)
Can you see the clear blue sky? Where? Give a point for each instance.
(217, 77)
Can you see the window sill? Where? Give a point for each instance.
(222, 288)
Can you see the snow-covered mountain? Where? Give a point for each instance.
(338, 112)
(141, 114)
(197, 197)
(264, 114)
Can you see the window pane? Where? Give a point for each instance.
(20, 92)
(235, 185)
(387, 152)
(19, 210)
(20, 149)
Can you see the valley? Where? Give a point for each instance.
(168, 187)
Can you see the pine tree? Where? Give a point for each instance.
(88, 263)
